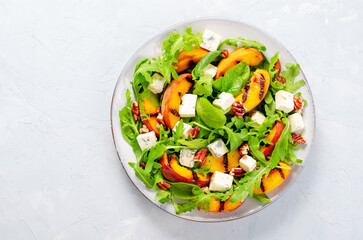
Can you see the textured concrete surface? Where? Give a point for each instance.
(60, 177)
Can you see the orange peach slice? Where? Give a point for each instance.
(251, 56)
(255, 91)
(187, 59)
(172, 98)
(221, 164)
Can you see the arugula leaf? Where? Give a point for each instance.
(244, 43)
(235, 139)
(292, 71)
(163, 196)
(272, 65)
(196, 143)
(203, 63)
(182, 190)
(254, 145)
(203, 87)
(179, 130)
(263, 198)
(203, 170)
(234, 79)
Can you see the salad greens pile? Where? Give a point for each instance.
(213, 122)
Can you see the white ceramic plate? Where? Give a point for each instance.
(227, 29)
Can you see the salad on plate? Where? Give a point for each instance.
(213, 121)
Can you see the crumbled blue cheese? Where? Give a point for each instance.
(284, 101)
(187, 107)
(186, 129)
(220, 182)
(258, 118)
(247, 163)
(211, 40)
(210, 70)
(297, 123)
(218, 148)
(146, 140)
(224, 101)
(187, 157)
(157, 84)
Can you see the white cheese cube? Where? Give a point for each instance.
(186, 129)
(258, 118)
(247, 163)
(189, 100)
(187, 157)
(146, 140)
(284, 101)
(220, 182)
(297, 123)
(218, 148)
(211, 40)
(186, 111)
(210, 70)
(224, 101)
(157, 85)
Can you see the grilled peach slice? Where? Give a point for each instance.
(172, 171)
(275, 177)
(221, 164)
(255, 91)
(273, 137)
(172, 98)
(150, 105)
(251, 56)
(187, 59)
(220, 206)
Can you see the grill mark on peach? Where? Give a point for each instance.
(174, 112)
(244, 96)
(262, 186)
(225, 162)
(262, 85)
(154, 114)
(281, 172)
(179, 94)
(221, 206)
(195, 176)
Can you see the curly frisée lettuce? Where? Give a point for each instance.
(195, 142)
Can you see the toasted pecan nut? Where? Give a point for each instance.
(243, 149)
(298, 104)
(200, 155)
(297, 138)
(193, 133)
(225, 53)
(280, 79)
(142, 165)
(135, 109)
(238, 109)
(163, 185)
(277, 67)
(144, 129)
(237, 172)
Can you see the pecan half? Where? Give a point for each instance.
(237, 172)
(200, 155)
(144, 129)
(298, 104)
(277, 67)
(225, 53)
(142, 165)
(160, 121)
(297, 138)
(135, 109)
(280, 79)
(238, 109)
(193, 133)
(243, 150)
(163, 185)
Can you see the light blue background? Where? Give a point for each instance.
(60, 177)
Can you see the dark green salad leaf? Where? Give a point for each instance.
(203, 63)
(209, 114)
